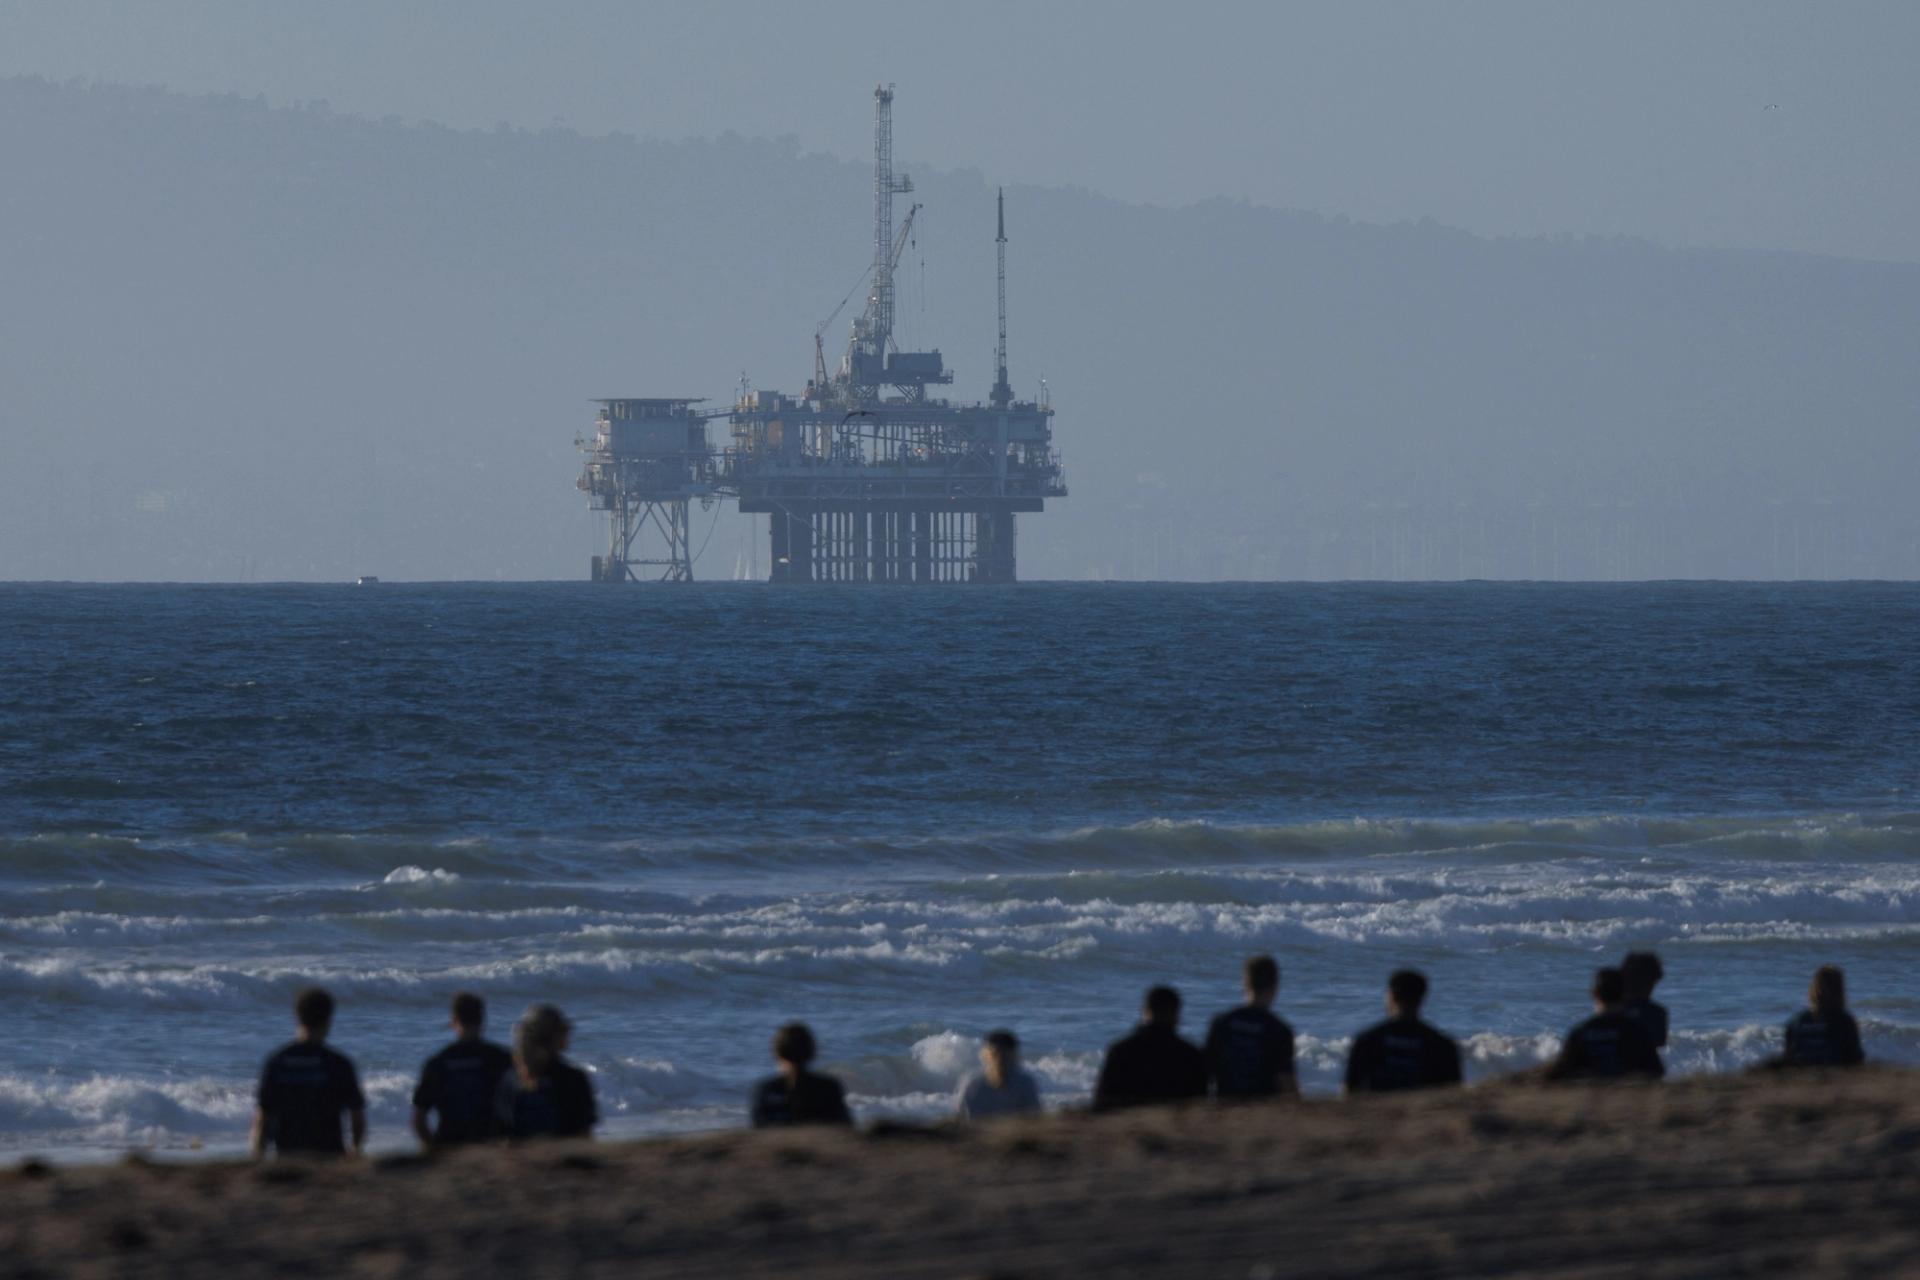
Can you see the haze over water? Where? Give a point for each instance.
(686, 815)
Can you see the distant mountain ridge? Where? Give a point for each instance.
(239, 341)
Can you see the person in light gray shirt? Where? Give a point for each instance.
(1002, 1087)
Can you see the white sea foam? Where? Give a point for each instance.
(947, 1056)
(1509, 917)
(1020, 925)
(412, 875)
(113, 1111)
(113, 927)
(650, 1095)
(107, 1106)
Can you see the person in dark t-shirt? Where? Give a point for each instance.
(305, 1088)
(454, 1101)
(1642, 971)
(798, 1095)
(1824, 1034)
(1609, 1045)
(1249, 1050)
(544, 1096)
(1403, 1052)
(1153, 1064)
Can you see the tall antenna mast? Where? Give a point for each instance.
(1002, 390)
(882, 218)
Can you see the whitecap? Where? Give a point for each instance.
(411, 875)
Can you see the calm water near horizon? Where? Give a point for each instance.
(688, 814)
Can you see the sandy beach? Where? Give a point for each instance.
(1811, 1176)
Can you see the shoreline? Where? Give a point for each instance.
(1816, 1173)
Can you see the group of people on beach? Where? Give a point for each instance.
(473, 1090)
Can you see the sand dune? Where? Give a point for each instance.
(1716, 1177)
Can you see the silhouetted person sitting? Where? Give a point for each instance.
(1002, 1087)
(1403, 1052)
(1609, 1045)
(1641, 971)
(1249, 1050)
(1153, 1064)
(306, 1087)
(459, 1084)
(544, 1096)
(1824, 1035)
(797, 1095)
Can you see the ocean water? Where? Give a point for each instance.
(688, 814)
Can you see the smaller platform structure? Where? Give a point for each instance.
(647, 461)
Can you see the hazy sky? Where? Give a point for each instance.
(1749, 124)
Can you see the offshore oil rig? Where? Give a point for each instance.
(864, 477)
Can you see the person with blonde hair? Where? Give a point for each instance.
(1824, 1034)
(544, 1096)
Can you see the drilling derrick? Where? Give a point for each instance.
(865, 477)
(647, 460)
(872, 364)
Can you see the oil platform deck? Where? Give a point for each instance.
(865, 476)
(898, 492)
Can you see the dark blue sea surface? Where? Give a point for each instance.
(688, 813)
(561, 709)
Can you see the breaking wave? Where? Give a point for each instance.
(650, 1095)
(1055, 933)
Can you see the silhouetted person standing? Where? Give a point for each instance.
(798, 1095)
(305, 1088)
(1641, 971)
(1002, 1087)
(1403, 1052)
(1249, 1050)
(454, 1101)
(1825, 1034)
(1153, 1064)
(544, 1096)
(1609, 1045)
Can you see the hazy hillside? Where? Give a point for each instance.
(245, 342)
